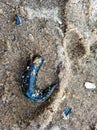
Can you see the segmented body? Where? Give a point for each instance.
(29, 82)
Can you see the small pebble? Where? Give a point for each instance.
(31, 38)
(67, 111)
(22, 11)
(9, 45)
(59, 21)
(4, 99)
(18, 19)
(89, 85)
(1, 11)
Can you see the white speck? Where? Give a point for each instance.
(60, 21)
(63, 97)
(35, 94)
(31, 38)
(22, 77)
(28, 67)
(89, 85)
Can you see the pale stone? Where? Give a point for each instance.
(1, 11)
(89, 85)
(31, 38)
(22, 11)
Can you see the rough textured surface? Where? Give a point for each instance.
(64, 32)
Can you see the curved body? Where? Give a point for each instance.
(29, 82)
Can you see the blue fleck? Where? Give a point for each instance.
(18, 19)
(67, 111)
(29, 82)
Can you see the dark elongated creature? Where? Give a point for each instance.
(29, 82)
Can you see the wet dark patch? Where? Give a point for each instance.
(92, 127)
(3, 48)
(1, 90)
(75, 68)
(75, 47)
(93, 50)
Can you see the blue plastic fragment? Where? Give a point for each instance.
(29, 82)
(67, 111)
(18, 19)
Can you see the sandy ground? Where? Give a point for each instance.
(64, 32)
